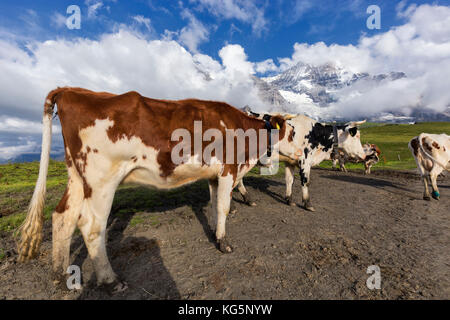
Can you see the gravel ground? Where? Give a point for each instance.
(280, 252)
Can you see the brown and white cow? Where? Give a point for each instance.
(372, 157)
(432, 155)
(317, 141)
(110, 139)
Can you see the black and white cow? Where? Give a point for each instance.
(372, 157)
(432, 155)
(317, 140)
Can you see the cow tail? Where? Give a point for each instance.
(31, 228)
(421, 136)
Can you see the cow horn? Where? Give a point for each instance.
(355, 123)
(289, 116)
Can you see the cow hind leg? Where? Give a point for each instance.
(433, 177)
(426, 192)
(224, 190)
(92, 224)
(304, 178)
(213, 195)
(424, 173)
(64, 221)
(245, 195)
(306, 199)
(289, 175)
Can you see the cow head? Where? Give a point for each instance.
(349, 140)
(285, 144)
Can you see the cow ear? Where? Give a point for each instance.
(277, 122)
(352, 131)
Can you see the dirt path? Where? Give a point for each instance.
(281, 252)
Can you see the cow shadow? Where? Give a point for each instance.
(363, 180)
(260, 184)
(138, 261)
(127, 202)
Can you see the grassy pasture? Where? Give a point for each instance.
(17, 180)
(393, 140)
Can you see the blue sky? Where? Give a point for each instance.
(284, 22)
(211, 49)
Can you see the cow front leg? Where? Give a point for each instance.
(304, 178)
(367, 166)
(289, 175)
(224, 191)
(245, 195)
(342, 164)
(334, 163)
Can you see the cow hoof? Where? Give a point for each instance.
(60, 281)
(426, 198)
(224, 246)
(310, 208)
(289, 201)
(115, 287)
(252, 204)
(233, 208)
(435, 195)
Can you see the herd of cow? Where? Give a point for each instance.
(112, 139)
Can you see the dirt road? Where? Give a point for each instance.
(280, 252)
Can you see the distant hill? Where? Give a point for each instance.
(30, 157)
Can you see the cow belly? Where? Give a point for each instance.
(183, 174)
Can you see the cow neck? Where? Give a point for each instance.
(269, 128)
(335, 138)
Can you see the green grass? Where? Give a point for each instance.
(17, 180)
(16, 177)
(392, 139)
(2, 254)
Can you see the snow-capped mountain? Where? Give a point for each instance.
(310, 89)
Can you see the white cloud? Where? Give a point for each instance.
(143, 20)
(18, 125)
(300, 8)
(120, 62)
(246, 11)
(9, 152)
(420, 48)
(93, 7)
(266, 66)
(194, 33)
(58, 20)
